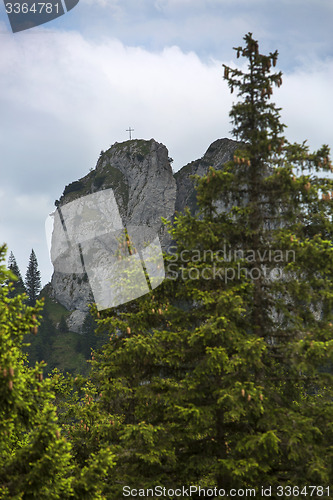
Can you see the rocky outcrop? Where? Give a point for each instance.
(218, 153)
(140, 175)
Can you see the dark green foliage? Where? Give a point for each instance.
(34, 458)
(36, 461)
(17, 281)
(73, 186)
(62, 325)
(55, 344)
(88, 339)
(217, 378)
(32, 279)
(220, 376)
(99, 180)
(41, 346)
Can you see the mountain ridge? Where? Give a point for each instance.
(146, 189)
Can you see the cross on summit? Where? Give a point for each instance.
(130, 130)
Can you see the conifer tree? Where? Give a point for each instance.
(18, 285)
(88, 339)
(32, 279)
(36, 461)
(62, 327)
(221, 376)
(34, 457)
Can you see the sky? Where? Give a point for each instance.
(71, 87)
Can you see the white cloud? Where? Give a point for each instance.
(97, 89)
(102, 3)
(306, 99)
(113, 5)
(64, 98)
(21, 228)
(211, 27)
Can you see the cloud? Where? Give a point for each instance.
(22, 227)
(113, 5)
(65, 97)
(306, 101)
(101, 3)
(63, 89)
(210, 27)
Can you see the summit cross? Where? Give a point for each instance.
(130, 130)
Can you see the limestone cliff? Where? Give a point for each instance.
(145, 188)
(218, 153)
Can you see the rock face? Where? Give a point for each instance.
(145, 189)
(218, 153)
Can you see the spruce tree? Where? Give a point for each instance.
(32, 279)
(36, 461)
(220, 377)
(34, 458)
(88, 340)
(18, 285)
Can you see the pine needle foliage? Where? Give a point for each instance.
(32, 279)
(222, 376)
(36, 460)
(17, 281)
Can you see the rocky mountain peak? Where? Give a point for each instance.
(218, 153)
(139, 174)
